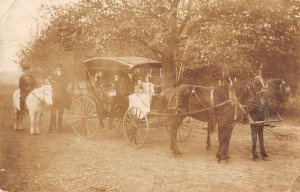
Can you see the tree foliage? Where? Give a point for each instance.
(236, 33)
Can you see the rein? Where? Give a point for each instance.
(233, 100)
(37, 97)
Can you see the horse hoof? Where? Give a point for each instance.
(208, 148)
(223, 158)
(177, 153)
(221, 161)
(255, 158)
(264, 155)
(265, 158)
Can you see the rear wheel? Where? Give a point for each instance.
(84, 117)
(136, 127)
(184, 130)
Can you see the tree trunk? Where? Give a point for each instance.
(169, 68)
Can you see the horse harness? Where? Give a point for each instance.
(37, 97)
(233, 99)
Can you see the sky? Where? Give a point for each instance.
(19, 22)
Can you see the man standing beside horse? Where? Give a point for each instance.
(61, 98)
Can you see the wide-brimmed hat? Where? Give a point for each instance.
(26, 67)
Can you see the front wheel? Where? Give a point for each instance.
(84, 117)
(136, 127)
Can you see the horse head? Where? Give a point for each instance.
(252, 92)
(279, 93)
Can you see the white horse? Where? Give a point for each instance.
(37, 100)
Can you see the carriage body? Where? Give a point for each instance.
(93, 101)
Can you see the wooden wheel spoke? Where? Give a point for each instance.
(133, 136)
(82, 130)
(78, 125)
(89, 107)
(140, 136)
(87, 128)
(90, 110)
(81, 106)
(131, 116)
(78, 121)
(135, 129)
(84, 116)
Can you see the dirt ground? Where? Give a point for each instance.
(63, 162)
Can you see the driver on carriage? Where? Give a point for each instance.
(27, 83)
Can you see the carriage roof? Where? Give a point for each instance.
(120, 63)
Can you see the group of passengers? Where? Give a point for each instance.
(141, 95)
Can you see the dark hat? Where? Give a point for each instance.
(25, 67)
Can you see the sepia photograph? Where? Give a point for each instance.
(150, 96)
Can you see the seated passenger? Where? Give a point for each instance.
(138, 87)
(98, 78)
(147, 86)
(140, 99)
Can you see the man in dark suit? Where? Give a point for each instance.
(26, 84)
(57, 76)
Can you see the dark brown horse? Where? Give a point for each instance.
(198, 102)
(206, 75)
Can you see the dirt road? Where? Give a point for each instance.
(63, 162)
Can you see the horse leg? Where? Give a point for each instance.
(175, 123)
(208, 143)
(100, 116)
(224, 135)
(263, 153)
(60, 114)
(38, 122)
(209, 130)
(254, 140)
(16, 124)
(110, 117)
(20, 120)
(32, 122)
(52, 119)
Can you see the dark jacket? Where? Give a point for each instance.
(55, 79)
(27, 82)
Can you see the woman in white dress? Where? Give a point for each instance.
(140, 99)
(147, 86)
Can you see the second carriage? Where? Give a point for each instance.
(104, 95)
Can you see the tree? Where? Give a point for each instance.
(244, 33)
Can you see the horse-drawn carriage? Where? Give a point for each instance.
(105, 96)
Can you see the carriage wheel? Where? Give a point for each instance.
(84, 117)
(136, 127)
(184, 130)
